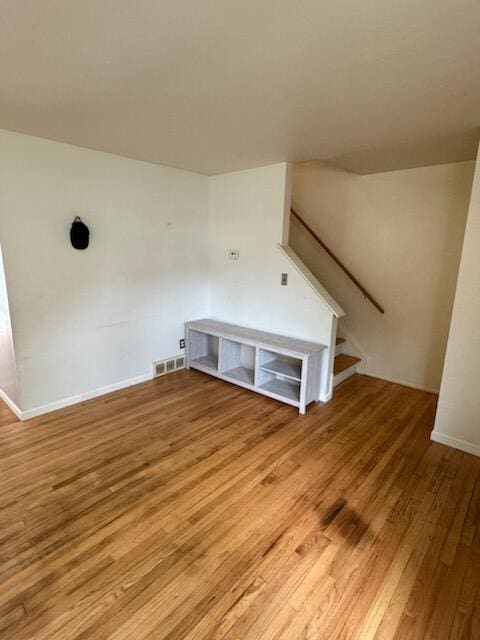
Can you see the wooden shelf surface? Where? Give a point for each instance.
(210, 361)
(285, 388)
(284, 367)
(241, 374)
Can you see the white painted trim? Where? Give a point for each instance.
(11, 404)
(328, 357)
(325, 397)
(403, 383)
(456, 443)
(310, 279)
(81, 397)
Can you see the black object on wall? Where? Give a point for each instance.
(79, 234)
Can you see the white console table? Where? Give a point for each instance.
(283, 368)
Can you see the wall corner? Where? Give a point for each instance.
(286, 205)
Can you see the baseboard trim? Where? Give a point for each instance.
(456, 443)
(11, 404)
(81, 397)
(402, 382)
(325, 397)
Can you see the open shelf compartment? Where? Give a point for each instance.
(204, 349)
(277, 364)
(276, 385)
(237, 361)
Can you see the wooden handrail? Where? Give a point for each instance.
(339, 262)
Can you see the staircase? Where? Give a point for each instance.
(344, 365)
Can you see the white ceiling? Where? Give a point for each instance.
(219, 85)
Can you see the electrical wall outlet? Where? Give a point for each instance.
(181, 343)
(284, 279)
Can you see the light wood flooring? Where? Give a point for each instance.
(186, 507)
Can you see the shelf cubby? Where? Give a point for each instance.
(282, 365)
(203, 349)
(237, 361)
(279, 386)
(283, 389)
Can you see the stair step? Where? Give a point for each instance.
(343, 362)
(340, 341)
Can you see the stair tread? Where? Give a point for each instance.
(340, 341)
(343, 362)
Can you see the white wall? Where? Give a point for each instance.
(247, 211)
(84, 320)
(458, 415)
(400, 233)
(8, 369)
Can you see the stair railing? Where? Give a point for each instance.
(338, 261)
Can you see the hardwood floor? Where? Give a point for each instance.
(189, 508)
